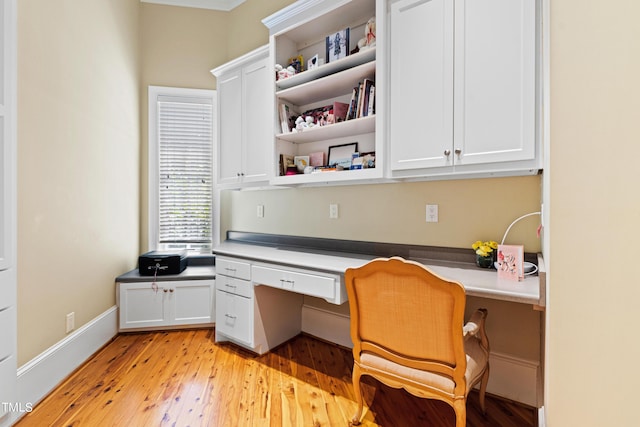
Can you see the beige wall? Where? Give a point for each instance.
(179, 46)
(78, 156)
(594, 225)
(246, 31)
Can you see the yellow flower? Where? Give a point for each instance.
(485, 249)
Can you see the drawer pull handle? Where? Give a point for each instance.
(229, 316)
(283, 281)
(230, 286)
(232, 270)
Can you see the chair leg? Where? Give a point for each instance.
(483, 389)
(358, 392)
(460, 408)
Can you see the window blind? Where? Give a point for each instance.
(185, 172)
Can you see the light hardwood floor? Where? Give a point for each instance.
(182, 378)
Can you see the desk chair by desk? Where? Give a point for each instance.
(408, 331)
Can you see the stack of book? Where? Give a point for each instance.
(362, 100)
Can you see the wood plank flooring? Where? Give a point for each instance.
(182, 378)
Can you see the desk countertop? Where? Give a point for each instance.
(477, 281)
(193, 272)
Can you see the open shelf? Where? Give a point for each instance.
(351, 61)
(336, 130)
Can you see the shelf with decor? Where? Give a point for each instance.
(326, 62)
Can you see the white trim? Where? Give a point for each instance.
(224, 5)
(541, 417)
(511, 377)
(326, 325)
(45, 372)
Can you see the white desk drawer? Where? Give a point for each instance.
(303, 283)
(234, 286)
(232, 268)
(234, 316)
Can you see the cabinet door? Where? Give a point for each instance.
(421, 83)
(193, 302)
(257, 120)
(494, 80)
(234, 316)
(230, 127)
(141, 306)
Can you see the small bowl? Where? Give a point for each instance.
(528, 267)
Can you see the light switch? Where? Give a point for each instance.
(333, 211)
(260, 211)
(432, 213)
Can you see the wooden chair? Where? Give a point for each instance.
(407, 331)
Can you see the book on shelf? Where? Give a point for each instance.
(288, 117)
(366, 97)
(340, 110)
(510, 262)
(371, 110)
(360, 100)
(351, 113)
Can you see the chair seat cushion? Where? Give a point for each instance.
(476, 361)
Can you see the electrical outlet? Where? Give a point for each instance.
(260, 211)
(71, 322)
(432, 213)
(333, 211)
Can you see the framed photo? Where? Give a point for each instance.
(313, 62)
(337, 45)
(286, 161)
(341, 155)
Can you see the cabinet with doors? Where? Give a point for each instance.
(165, 304)
(244, 119)
(8, 148)
(324, 91)
(463, 87)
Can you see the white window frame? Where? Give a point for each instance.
(154, 93)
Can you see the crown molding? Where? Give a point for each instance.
(224, 5)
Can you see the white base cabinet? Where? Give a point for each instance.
(173, 304)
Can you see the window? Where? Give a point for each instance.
(181, 168)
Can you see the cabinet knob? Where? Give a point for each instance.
(447, 153)
(458, 151)
(164, 290)
(170, 290)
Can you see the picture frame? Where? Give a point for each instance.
(341, 155)
(313, 62)
(286, 161)
(337, 45)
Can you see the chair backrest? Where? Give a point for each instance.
(402, 311)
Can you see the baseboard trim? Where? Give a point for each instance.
(327, 325)
(511, 377)
(541, 417)
(38, 377)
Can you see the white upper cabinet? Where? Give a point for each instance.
(463, 87)
(244, 119)
(421, 96)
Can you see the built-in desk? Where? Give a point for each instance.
(477, 281)
(271, 288)
(261, 281)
